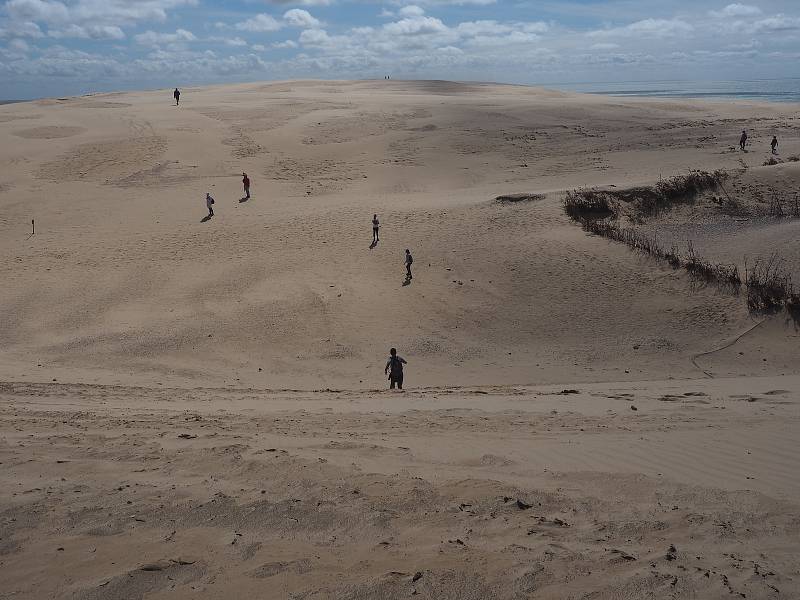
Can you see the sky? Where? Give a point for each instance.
(68, 47)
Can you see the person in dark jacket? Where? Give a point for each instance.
(246, 185)
(394, 367)
(177, 95)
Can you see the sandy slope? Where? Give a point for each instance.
(122, 283)
(125, 322)
(117, 492)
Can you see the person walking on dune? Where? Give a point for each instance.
(376, 225)
(409, 262)
(246, 184)
(210, 205)
(177, 95)
(394, 367)
(774, 144)
(743, 140)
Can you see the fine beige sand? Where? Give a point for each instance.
(198, 409)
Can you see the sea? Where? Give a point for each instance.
(769, 90)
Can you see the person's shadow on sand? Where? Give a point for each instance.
(373, 244)
(242, 200)
(407, 281)
(205, 219)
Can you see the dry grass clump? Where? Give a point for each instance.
(793, 158)
(689, 186)
(772, 161)
(588, 204)
(642, 201)
(780, 207)
(724, 276)
(721, 275)
(793, 308)
(769, 286)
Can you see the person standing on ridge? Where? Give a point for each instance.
(177, 95)
(375, 227)
(409, 262)
(394, 367)
(774, 144)
(210, 205)
(743, 140)
(246, 184)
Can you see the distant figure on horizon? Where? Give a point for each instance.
(409, 262)
(246, 184)
(177, 95)
(743, 140)
(375, 227)
(394, 367)
(210, 205)
(774, 144)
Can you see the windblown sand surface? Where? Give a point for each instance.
(581, 421)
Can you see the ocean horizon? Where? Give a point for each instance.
(771, 90)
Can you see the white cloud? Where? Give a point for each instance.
(777, 23)
(411, 10)
(45, 11)
(86, 32)
(258, 48)
(151, 38)
(647, 28)
(301, 2)
(285, 44)
(737, 10)
(314, 37)
(604, 46)
(297, 17)
(260, 23)
(117, 13)
(236, 42)
(482, 28)
(23, 29)
(19, 45)
(415, 26)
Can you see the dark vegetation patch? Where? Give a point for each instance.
(784, 207)
(772, 161)
(641, 202)
(722, 275)
(520, 198)
(769, 286)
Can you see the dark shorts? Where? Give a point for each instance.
(396, 378)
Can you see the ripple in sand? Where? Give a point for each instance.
(49, 132)
(105, 161)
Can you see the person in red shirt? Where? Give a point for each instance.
(246, 184)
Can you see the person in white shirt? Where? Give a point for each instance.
(394, 367)
(210, 204)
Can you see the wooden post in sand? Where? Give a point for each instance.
(33, 227)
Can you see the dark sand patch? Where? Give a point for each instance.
(49, 132)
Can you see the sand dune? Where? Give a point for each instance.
(143, 351)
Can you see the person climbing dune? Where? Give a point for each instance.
(394, 367)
